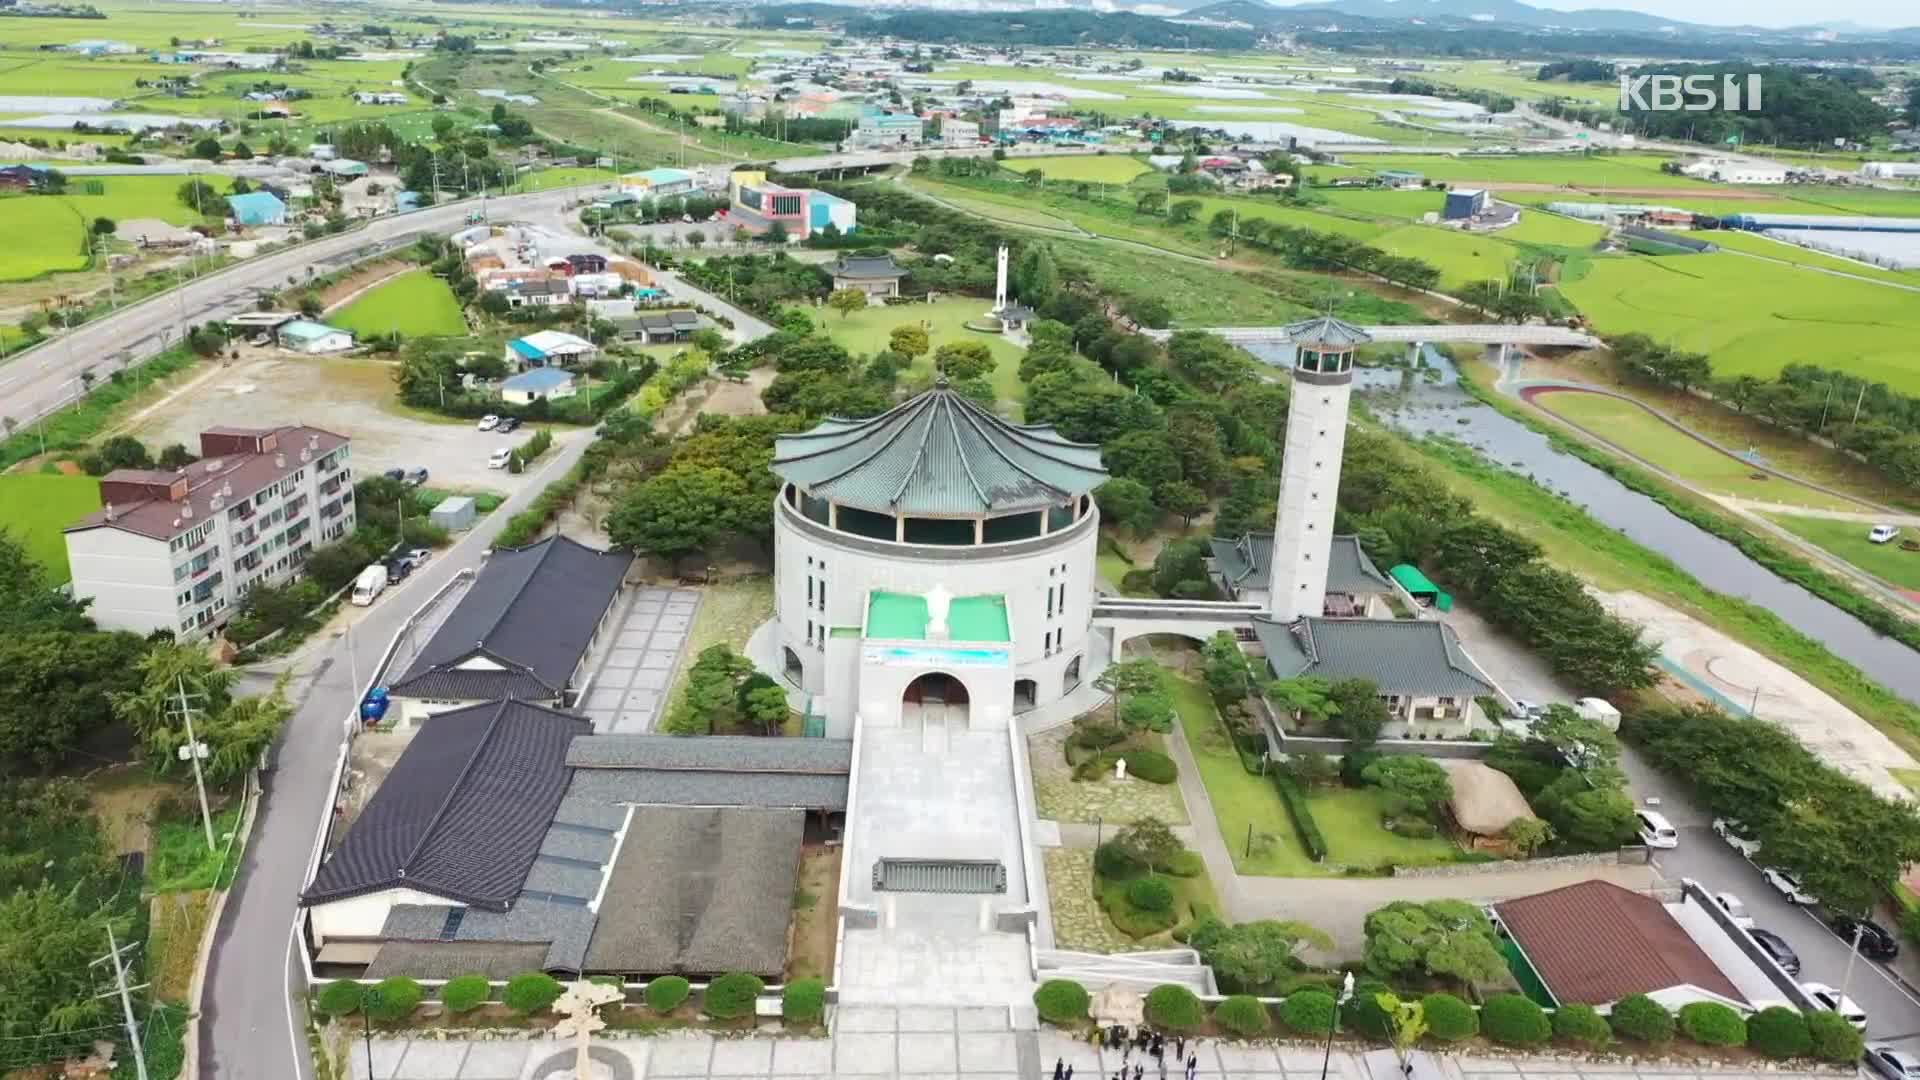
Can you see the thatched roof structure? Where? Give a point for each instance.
(1485, 800)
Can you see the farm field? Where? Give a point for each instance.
(1644, 435)
(1551, 230)
(49, 232)
(1098, 169)
(1767, 247)
(1462, 258)
(415, 304)
(865, 332)
(1517, 79)
(36, 507)
(1575, 170)
(1764, 315)
(1848, 540)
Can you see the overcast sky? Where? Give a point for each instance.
(1888, 13)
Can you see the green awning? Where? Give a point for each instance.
(1412, 580)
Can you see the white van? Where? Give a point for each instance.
(371, 583)
(1655, 830)
(1600, 711)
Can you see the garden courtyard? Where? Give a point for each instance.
(865, 332)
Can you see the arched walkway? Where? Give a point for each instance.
(933, 699)
(791, 667)
(1071, 677)
(1026, 694)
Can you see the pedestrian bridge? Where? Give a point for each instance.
(1127, 617)
(1438, 334)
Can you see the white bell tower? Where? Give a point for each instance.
(1310, 471)
(1000, 283)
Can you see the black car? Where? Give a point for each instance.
(1875, 942)
(395, 474)
(416, 475)
(507, 423)
(1776, 947)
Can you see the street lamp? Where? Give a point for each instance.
(368, 1002)
(1859, 931)
(1333, 1024)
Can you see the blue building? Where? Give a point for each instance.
(257, 208)
(1463, 204)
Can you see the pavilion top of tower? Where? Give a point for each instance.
(1325, 331)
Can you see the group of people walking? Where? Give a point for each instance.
(1151, 1046)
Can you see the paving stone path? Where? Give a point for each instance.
(1060, 797)
(1078, 921)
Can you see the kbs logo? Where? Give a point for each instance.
(1689, 93)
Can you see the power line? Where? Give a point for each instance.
(116, 953)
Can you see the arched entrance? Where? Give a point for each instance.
(934, 698)
(791, 667)
(1026, 694)
(1071, 678)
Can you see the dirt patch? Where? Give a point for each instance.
(722, 397)
(363, 278)
(176, 922)
(374, 755)
(126, 799)
(816, 910)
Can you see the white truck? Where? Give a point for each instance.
(1600, 711)
(370, 584)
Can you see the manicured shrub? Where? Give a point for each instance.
(666, 993)
(1174, 1008)
(1362, 1013)
(393, 999)
(340, 998)
(1638, 1016)
(1353, 763)
(1243, 1015)
(1710, 1023)
(1151, 765)
(732, 995)
(1581, 1025)
(1833, 1038)
(531, 991)
(1303, 824)
(1186, 864)
(804, 1001)
(465, 993)
(1061, 1001)
(1115, 863)
(1449, 1019)
(1779, 1033)
(1514, 1021)
(1307, 1012)
(1150, 894)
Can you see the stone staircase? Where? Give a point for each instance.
(1133, 971)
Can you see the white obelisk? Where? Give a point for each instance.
(1310, 471)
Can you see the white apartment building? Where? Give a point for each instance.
(177, 550)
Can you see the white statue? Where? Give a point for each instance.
(1000, 283)
(938, 601)
(1120, 769)
(580, 1018)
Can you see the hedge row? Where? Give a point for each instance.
(728, 997)
(1302, 815)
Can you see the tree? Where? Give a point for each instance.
(1127, 677)
(1180, 570)
(1149, 711)
(49, 937)
(1254, 957)
(442, 127)
(207, 149)
(235, 730)
(1207, 361)
(103, 226)
(681, 510)
(1406, 1025)
(1128, 504)
(1358, 714)
(776, 234)
(846, 301)
(1148, 311)
(1416, 783)
(1151, 842)
(1441, 938)
(1035, 277)
(201, 198)
(961, 360)
(1183, 499)
(909, 340)
(1228, 675)
(58, 690)
(1308, 698)
(1181, 212)
(176, 456)
(28, 600)
(766, 706)
(1526, 835)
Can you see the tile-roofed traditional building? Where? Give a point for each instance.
(460, 817)
(1427, 679)
(719, 770)
(875, 275)
(175, 550)
(1593, 943)
(522, 630)
(1243, 567)
(939, 453)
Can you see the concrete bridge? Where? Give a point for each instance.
(861, 161)
(1499, 334)
(1127, 617)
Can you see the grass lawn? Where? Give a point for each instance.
(1768, 247)
(1095, 169)
(1638, 432)
(865, 332)
(729, 611)
(178, 857)
(1848, 540)
(35, 507)
(415, 304)
(1764, 314)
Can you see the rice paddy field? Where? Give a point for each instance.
(1097, 169)
(414, 304)
(1517, 79)
(36, 507)
(48, 233)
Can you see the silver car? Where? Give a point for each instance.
(1892, 1064)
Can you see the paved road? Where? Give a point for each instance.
(252, 1028)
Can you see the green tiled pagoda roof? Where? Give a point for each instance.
(938, 454)
(1327, 330)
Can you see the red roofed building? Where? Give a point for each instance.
(177, 550)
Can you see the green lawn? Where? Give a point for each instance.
(48, 233)
(414, 304)
(1552, 230)
(1572, 170)
(35, 507)
(1461, 258)
(1639, 432)
(1848, 540)
(1752, 316)
(865, 332)
(1348, 818)
(1767, 247)
(1093, 169)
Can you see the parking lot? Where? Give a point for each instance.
(353, 397)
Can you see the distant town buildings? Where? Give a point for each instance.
(757, 204)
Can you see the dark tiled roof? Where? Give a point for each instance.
(938, 453)
(857, 268)
(700, 892)
(228, 478)
(1327, 330)
(1249, 561)
(533, 611)
(715, 753)
(464, 810)
(1401, 656)
(1594, 943)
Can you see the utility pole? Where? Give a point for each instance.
(193, 751)
(115, 953)
(1859, 401)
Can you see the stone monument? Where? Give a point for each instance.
(580, 1018)
(939, 601)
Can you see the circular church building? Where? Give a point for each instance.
(934, 563)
